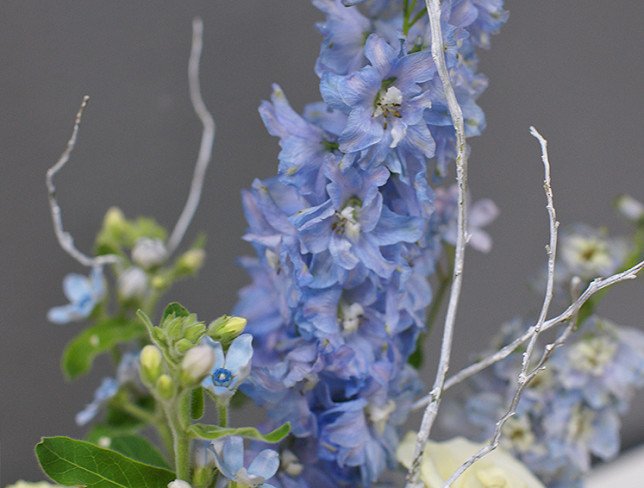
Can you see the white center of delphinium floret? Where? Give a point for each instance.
(592, 355)
(580, 425)
(291, 464)
(348, 223)
(388, 103)
(517, 434)
(379, 414)
(588, 256)
(351, 317)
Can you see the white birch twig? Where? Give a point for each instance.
(65, 239)
(438, 55)
(525, 376)
(595, 286)
(207, 139)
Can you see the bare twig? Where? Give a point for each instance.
(595, 286)
(207, 139)
(525, 376)
(65, 239)
(438, 55)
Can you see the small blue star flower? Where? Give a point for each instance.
(229, 457)
(84, 293)
(230, 369)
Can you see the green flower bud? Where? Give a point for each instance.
(184, 345)
(191, 261)
(114, 222)
(196, 364)
(226, 328)
(165, 387)
(150, 360)
(194, 332)
(159, 282)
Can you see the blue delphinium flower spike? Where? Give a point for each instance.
(349, 231)
(229, 457)
(230, 369)
(83, 294)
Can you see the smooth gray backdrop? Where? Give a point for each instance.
(572, 68)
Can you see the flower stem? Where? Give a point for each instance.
(222, 409)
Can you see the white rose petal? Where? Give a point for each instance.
(441, 459)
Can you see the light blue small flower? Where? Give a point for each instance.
(83, 294)
(229, 457)
(230, 369)
(106, 391)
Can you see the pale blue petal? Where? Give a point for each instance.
(265, 465)
(63, 314)
(76, 287)
(362, 131)
(239, 353)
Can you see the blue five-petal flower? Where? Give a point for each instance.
(83, 294)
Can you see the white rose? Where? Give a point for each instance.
(441, 459)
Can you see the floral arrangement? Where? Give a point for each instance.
(359, 239)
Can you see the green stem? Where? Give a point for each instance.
(181, 443)
(222, 409)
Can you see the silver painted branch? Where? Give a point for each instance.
(525, 375)
(65, 239)
(438, 55)
(594, 287)
(207, 139)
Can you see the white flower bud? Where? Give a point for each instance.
(149, 252)
(630, 208)
(179, 484)
(133, 283)
(197, 363)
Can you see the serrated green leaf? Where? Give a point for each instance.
(212, 432)
(175, 309)
(197, 403)
(73, 462)
(81, 351)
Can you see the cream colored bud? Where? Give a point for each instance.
(196, 364)
(150, 360)
(191, 260)
(148, 253)
(165, 387)
(179, 484)
(115, 220)
(133, 283)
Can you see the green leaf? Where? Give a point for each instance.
(211, 432)
(72, 462)
(197, 403)
(175, 309)
(130, 445)
(81, 351)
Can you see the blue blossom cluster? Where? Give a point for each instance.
(349, 231)
(571, 411)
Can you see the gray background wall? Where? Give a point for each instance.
(572, 68)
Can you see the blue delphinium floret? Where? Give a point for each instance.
(83, 293)
(348, 232)
(384, 101)
(229, 458)
(230, 369)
